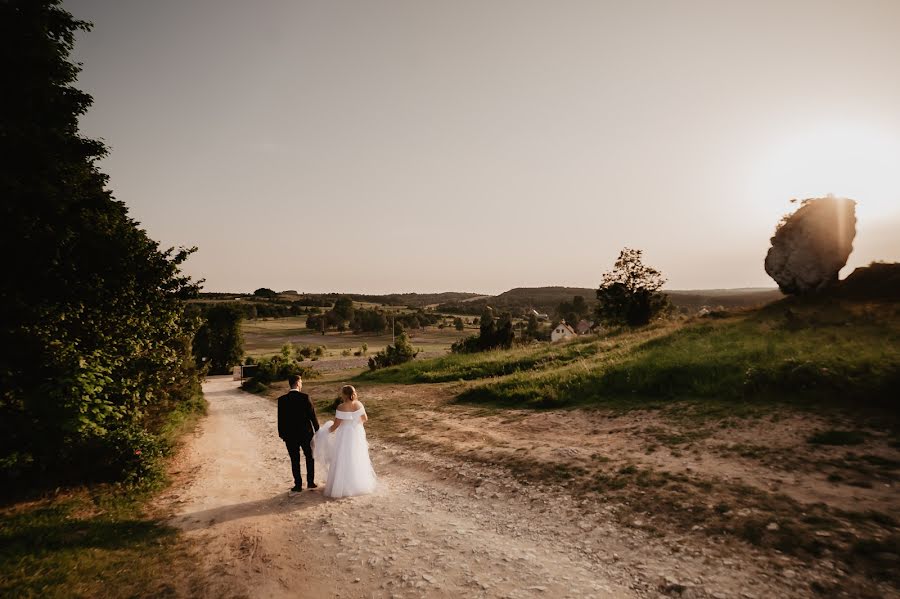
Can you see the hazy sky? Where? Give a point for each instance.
(418, 145)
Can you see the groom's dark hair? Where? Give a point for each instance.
(293, 380)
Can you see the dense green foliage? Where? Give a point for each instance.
(534, 331)
(572, 312)
(253, 309)
(265, 292)
(401, 352)
(631, 292)
(369, 321)
(95, 342)
(277, 369)
(219, 343)
(492, 334)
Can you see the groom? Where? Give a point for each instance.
(297, 423)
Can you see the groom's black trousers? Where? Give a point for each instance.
(293, 448)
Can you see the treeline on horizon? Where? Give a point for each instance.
(518, 302)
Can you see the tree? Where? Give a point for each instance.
(219, 339)
(504, 336)
(533, 330)
(265, 292)
(458, 324)
(343, 309)
(488, 324)
(95, 343)
(402, 351)
(573, 311)
(314, 321)
(630, 293)
(492, 334)
(368, 321)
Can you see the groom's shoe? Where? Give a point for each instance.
(296, 489)
(312, 486)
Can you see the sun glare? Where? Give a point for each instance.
(847, 161)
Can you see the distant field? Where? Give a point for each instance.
(265, 337)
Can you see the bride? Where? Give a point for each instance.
(341, 447)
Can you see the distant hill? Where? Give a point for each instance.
(418, 300)
(546, 299)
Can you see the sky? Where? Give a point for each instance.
(422, 146)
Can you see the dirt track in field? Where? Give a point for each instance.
(439, 526)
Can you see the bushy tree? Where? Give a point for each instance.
(402, 351)
(493, 334)
(95, 342)
(276, 369)
(533, 328)
(488, 324)
(368, 321)
(458, 324)
(219, 342)
(631, 292)
(505, 335)
(266, 293)
(313, 321)
(573, 311)
(343, 309)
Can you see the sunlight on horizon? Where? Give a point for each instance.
(841, 159)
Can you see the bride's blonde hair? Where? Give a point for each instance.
(349, 392)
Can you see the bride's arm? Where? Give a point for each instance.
(337, 423)
(363, 417)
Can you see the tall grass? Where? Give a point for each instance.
(796, 349)
(821, 352)
(497, 363)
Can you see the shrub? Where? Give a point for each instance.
(276, 368)
(493, 334)
(402, 351)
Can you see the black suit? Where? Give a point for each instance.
(297, 423)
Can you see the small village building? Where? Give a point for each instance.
(584, 327)
(539, 315)
(562, 331)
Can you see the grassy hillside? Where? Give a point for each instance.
(819, 350)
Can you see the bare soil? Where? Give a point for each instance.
(475, 502)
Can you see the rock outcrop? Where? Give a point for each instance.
(811, 245)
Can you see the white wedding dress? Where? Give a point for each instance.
(344, 456)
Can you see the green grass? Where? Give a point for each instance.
(96, 541)
(88, 543)
(794, 350)
(834, 354)
(455, 367)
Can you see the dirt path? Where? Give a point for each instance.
(420, 535)
(443, 523)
